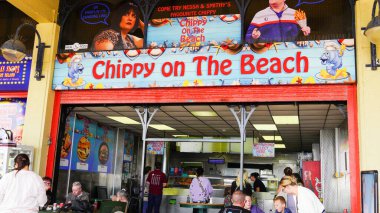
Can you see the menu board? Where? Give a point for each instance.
(84, 144)
(263, 150)
(67, 142)
(104, 149)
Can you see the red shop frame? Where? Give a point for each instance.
(230, 94)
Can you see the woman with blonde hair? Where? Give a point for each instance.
(247, 188)
(306, 201)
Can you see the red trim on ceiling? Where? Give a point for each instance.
(281, 93)
(23, 94)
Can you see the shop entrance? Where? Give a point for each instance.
(309, 137)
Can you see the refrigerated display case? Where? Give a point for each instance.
(8, 154)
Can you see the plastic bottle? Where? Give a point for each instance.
(96, 204)
(188, 199)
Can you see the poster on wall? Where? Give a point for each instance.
(104, 149)
(311, 175)
(83, 144)
(12, 116)
(155, 148)
(67, 142)
(265, 150)
(128, 146)
(194, 23)
(297, 20)
(103, 26)
(14, 76)
(328, 61)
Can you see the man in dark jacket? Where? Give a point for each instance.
(238, 201)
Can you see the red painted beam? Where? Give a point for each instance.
(230, 94)
(53, 135)
(23, 94)
(353, 143)
(270, 93)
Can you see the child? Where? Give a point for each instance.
(248, 205)
(280, 205)
(227, 197)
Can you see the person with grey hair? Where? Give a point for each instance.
(122, 196)
(77, 193)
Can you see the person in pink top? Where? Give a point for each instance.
(200, 188)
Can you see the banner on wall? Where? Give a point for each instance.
(155, 148)
(194, 31)
(115, 25)
(12, 116)
(83, 144)
(67, 143)
(104, 149)
(263, 150)
(319, 62)
(311, 175)
(14, 76)
(128, 147)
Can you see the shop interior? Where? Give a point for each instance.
(300, 131)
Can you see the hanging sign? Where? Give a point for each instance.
(319, 62)
(155, 148)
(263, 150)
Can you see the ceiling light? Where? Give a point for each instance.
(279, 146)
(204, 113)
(123, 119)
(272, 138)
(286, 119)
(181, 136)
(271, 127)
(161, 127)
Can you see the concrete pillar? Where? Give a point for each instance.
(41, 99)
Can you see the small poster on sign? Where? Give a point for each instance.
(155, 148)
(265, 150)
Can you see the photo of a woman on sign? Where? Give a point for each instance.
(125, 22)
(278, 23)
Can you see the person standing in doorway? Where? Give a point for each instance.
(156, 182)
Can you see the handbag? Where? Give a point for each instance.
(206, 199)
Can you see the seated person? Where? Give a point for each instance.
(49, 194)
(248, 205)
(121, 196)
(280, 205)
(238, 201)
(78, 200)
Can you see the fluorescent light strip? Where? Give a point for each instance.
(161, 127)
(286, 119)
(272, 138)
(280, 146)
(204, 113)
(269, 127)
(123, 119)
(181, 136)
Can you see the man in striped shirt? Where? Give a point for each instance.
(156, 181)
